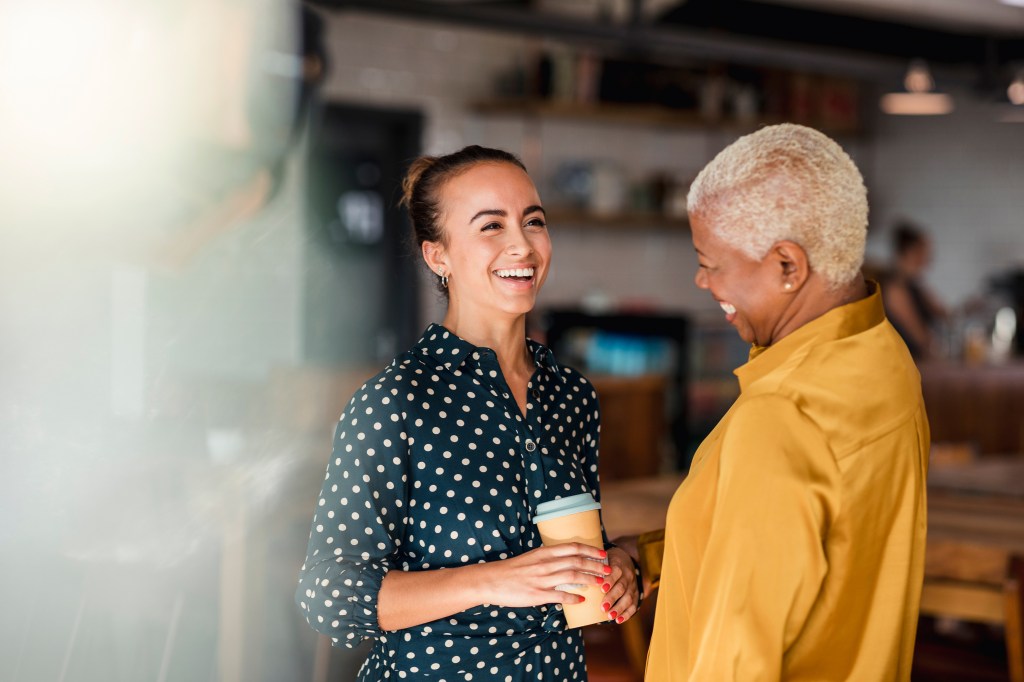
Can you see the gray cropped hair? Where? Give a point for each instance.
(787, 182)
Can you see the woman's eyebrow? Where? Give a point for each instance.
(504, 214)
(490, 211)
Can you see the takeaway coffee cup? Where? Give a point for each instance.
(575, 519)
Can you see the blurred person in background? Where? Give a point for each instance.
(794, 550)
(423, 538)
(912, 308)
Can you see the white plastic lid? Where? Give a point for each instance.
(574, 504)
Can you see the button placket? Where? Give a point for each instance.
(535, 469)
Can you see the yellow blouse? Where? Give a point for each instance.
(794, 550)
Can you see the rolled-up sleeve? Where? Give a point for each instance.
(359, 520)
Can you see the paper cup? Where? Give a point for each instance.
(575, 519)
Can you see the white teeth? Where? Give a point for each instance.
(516, 272)
(729, 308)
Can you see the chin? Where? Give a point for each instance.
(518, 307)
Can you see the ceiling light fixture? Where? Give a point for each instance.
(918, 100)
(1013, 3)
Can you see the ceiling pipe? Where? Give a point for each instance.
(637, 39)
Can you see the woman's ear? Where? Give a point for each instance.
(794, 268)
(436, 258)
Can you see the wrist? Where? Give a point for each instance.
(481, 583)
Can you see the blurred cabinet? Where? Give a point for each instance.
(633, 425)
(982, 405)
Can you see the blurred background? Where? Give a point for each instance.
(201, 258)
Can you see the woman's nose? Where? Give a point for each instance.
(518, 243)
(701, 279)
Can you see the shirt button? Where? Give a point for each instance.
(530, 445)
(535, 393)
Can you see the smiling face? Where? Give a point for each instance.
(496, 250)
(749, 291)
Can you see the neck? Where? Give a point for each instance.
(815, 299)
(504, 334)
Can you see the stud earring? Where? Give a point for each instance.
(787, 286)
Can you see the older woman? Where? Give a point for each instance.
(794, 549)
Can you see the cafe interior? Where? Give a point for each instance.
(203, 257)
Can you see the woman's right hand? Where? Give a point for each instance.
(530, 579)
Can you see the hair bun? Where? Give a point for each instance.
(412, 177)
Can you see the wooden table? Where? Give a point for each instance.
(975, 518)
(636, 505)
(981, 500)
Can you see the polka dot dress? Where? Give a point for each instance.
(435, 466)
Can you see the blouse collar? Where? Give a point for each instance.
(451, 351)
(838, 323)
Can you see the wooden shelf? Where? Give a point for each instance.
(634, 115)
(625, 114)
(630, 220)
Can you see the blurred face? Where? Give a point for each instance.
(917, 259)
(747, 290)
(497, 249)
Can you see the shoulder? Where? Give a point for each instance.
(767, 409)
(774, 418)
(771, 433)
(389, 386)
(575, 384)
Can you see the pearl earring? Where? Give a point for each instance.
(787, 286)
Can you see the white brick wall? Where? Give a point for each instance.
(960, 176)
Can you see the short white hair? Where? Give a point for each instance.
(787, 182)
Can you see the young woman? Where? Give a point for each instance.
(423, 536)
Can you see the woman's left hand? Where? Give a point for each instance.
(622, 597)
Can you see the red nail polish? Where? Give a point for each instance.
(606, 587)
(619, 619)
(612, 614)
(599, 579)
(606, 606)
(603, 554)
(607, 569)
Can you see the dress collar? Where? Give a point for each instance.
(838, 323)
(443, 347)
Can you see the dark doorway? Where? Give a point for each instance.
(360, 300)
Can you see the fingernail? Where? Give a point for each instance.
(582, 599)
(619, 619)
(607, 569)
(599, 579)
(612, 614)
(603, 554)
(606, 606)
(606, 587)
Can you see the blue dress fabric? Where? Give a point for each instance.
(434, 466)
